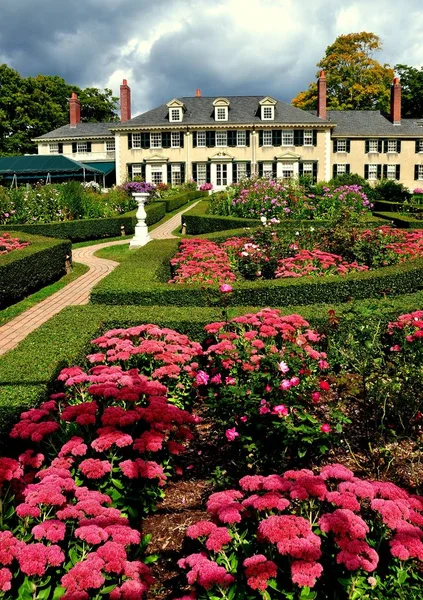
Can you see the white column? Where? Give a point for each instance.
(213, 174)
(141, 237)
(119, 167)
(230, 168)
(253, 138)
(328, 165)
(188, 166)
(164, 173)
(148, 173)
(278, 169)
(296, 169)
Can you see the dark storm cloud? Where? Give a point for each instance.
(169, 48)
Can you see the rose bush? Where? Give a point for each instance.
(305, 535)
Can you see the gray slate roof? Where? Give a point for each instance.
(242, 109)
(84, 130)
(367, 123)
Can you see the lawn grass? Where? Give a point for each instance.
(15, 310)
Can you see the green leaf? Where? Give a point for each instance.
(151, 558)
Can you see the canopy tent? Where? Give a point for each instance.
(19, 169)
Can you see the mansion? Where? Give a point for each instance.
(220, 140)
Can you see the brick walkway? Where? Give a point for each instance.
(77, 292)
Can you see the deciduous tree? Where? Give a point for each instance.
(412, 90)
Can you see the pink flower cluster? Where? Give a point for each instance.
(348, 511)
(315, 263)
(9, 243)
(201, 261)
(410, 325)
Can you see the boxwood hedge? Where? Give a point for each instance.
(174, 202)
(197, 221)
(142, 279)
(91, 229)
(29, 372)
(402, 221)
(24, 271)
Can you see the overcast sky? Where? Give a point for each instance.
(168, 48)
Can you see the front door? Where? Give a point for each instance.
(221, 175)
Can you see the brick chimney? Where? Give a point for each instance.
(396, 102)
(74, 110)
(198, 93)
(125, 101)
(321, 96)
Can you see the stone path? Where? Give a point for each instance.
(77, 292)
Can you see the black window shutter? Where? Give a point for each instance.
(347, 168)
(247, 138)
(416, 172)
(208, 173)
(182, 172)
(274, 166)
(380, 146)
(130, 172)
(385, 146)
(367, 147)
(398, 172)
(379, 171)
(300, 169)
(248, 169)
(194, 139)
(234, 173)
(231, 139)
(366, 171)
(260, 138)
(129, 141)
(314, 137)
(334, 171)
(145, 140)
(74, 147)
(315, 172)
(181, 139)
(276, 137)
(260, 169)
(417, 146)
(298, 137)
(348, 145)
(143, 171)
(210, 139)
(88, 146)
(169, 173)
(335, 145)
(194, 171)
(166, 137)
(398, 145)
(385, 171)
(60, 148)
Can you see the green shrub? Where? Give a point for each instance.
(400, 220)
(24, 271)
(391, 191)
(174, 202)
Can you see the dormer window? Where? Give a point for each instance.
(176, 110)
(221, 108)
(267, 106)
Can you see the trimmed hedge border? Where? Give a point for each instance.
(400, 220)
(198, 221)
(91, 229)
(175, 202)
(25, 271)
(28, 372)
(141, 279)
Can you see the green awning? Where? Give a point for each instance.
(105, 167)
(42, 164)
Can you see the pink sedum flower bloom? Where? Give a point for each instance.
(225, 288)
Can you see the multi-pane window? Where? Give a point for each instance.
(341, 169)
(81, 147)
(373, 172)
(201, 173)
(287, 170)
(267, 113)
(267, 138)
(341, 146)
(241, 138)
(110, 145)
(201, 139)
(373, 146)
(241, 171)
(391, 172)
(54, 148)
(392, 146)
(267, 169)
(420, 172)
(221, 114)
(308, 137)
(287, 138)
(221, 174)
(221, 138)
(175, 139)
(156, 174)
(155, 140)
(176, 174)
(175, 114)
(307, 168)
(136, 140)
(136, 171)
